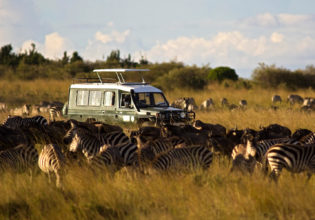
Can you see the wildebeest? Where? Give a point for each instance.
(276, 99)
(215, 129)
(293, 98)
(224, 102)
(243, 103)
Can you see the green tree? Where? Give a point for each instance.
(33, 57)
(65, 59)
(221, 73)
(7, 57)
(75, 57)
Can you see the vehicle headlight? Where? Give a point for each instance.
(182, 115)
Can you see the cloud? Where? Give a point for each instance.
(270, 20)
(52, 48)
(236, 50)
(276, 37)
(55, 45)
(114, 36)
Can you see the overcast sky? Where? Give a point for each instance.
(235, 33)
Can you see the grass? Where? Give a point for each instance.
(212, 194)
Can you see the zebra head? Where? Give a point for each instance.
(250, 147)
(75, 144)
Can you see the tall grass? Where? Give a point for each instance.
(212, 194)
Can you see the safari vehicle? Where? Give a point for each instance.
(110, 100)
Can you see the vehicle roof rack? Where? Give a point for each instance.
(119, 73)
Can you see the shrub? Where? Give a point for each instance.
(221, 73)
(188, 77)
(272, 76)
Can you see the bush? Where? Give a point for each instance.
(221, 73)
(272, 76)
(188, 77)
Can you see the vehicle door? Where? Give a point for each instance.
(126, 111)
(109, 105)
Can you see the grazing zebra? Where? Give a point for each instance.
(109, 158)
(254, 152)
(19, 158)
(51, 160)
(259, 149)
(115, 157)
(207, 104)
(90, 143)
(184, 158)
(15, 122)
(295, 158)
(157, 147)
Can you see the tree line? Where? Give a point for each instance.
(31, 64)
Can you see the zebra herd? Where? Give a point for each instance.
(29, 144)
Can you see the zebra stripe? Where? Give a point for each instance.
(188, 157)
(55, 111)
(90, 143)
(19, 158)
(154, 148)
(51, 160)
(295, 158)
(259, 149)
(309, 139)
(16, 122)
(115, 157)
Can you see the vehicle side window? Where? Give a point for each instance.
(95, 98)
(109, 98)
(82, 97)
(125, 100)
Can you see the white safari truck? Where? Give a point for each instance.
(115, 100)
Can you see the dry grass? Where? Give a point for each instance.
(212, 194)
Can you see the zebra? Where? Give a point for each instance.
(115, 157)
(55, 111)
(207, 104)
(109, 158)
(19, 158)
(15, 122)
(309, 139)
(24, 110)
(157, 147)
(254, 152)
(184, 158)
(295, 158)
(51, 160)
(82, 138)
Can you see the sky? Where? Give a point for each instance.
(235, 33)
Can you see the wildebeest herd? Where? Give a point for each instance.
(29, 144)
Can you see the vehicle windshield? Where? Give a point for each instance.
(150, 99)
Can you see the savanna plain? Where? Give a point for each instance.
(215, 193)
